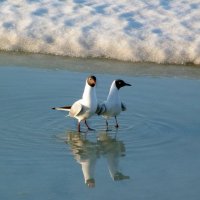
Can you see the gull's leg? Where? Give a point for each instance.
(107, 125)
(88, 126)
(79, 127)
(117, 126)
(107, 129)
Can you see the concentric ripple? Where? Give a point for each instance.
(149, 133)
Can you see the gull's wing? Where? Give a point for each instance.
(76, 109)
(101, 109)
(123, 107)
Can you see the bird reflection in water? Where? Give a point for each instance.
(112, 149)
(86, 152)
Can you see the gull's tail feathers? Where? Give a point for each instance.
(64, 108)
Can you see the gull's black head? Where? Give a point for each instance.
(91, 80)
(120, 83)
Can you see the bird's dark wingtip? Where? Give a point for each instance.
(53, 108)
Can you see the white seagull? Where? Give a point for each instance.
(85, 107)
(113, 105)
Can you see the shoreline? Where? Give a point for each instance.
(97, 65)
(23, 53)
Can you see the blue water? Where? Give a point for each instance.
(156, 147)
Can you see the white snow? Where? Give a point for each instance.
(161, 31)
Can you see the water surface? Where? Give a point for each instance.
(155, 151)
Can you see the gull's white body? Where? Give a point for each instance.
(83, 108)
(88, 104)
(113, 104)
(86, 107)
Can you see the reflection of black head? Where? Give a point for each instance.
(119, 176)
(120, 83)
(90, 183)
(91, 80)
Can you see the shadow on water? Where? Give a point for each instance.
(86, 152)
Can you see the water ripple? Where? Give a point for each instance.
(150, 133)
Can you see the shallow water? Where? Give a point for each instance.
(156, 148)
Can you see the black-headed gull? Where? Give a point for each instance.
(85, 107)
(113, 105)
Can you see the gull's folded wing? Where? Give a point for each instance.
(101, 109)
(76, 109)
(123, 107)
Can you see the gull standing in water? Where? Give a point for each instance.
(85, 107)
(113, 105)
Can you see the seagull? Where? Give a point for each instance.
(113, 105)
(86, 107)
